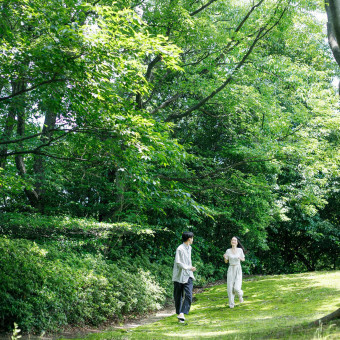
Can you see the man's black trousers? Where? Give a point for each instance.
(183, 296)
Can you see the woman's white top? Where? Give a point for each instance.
(234, 259)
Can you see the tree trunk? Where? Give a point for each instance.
(310, 266)
(38, 165)
(327, 318)
(117, 177)
(15, 105)
(333, 28)
(120, 191)
(19, 111)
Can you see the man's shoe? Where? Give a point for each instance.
(241, 299)
(180, 320)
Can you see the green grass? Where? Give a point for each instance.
(275, 307)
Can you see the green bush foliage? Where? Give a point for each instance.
(44, 287)
(59, 271)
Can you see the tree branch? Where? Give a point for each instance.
(147, 77)
(27, 137)
(220, 88)
(32, 88)
(261, 33)
(216, 173)
(224, 50)
(166, 103)
(78, 130)
(73, 159)
(151, 66)
(203, 7)
(240, 25)
(291, 133)
(35, 150)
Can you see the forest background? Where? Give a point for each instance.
(125, 123)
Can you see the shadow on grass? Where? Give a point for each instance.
(302, 332)
(275, 307)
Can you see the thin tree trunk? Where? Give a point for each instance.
(120, 191)
(38, 165)
(310, 266)
(10, 122)
(19, 112)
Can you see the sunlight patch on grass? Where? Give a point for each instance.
(275, 307)
(200, 334)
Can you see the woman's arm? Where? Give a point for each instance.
(241, 255)
(225, 256)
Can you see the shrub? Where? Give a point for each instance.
(43, 287)
(58, 271)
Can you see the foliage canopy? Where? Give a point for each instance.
(220, 117)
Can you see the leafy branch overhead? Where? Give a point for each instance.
(217, 114)
(124, 123)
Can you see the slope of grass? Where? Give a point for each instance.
(275, 307)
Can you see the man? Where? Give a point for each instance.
(183, 276)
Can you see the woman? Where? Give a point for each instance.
(234, 255)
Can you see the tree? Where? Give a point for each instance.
(333, 27)
(219, 115)
(68, 70)
(249, 103)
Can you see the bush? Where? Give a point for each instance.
(44, 288)
(59, 271)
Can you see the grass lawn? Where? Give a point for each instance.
(275, 307)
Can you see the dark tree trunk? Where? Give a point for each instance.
(333, 28)
(120, 191)
(19, 111)
(16, 105)
(117, 177)
(38, 165)
(310, 266)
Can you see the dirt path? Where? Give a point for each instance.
(82, 332)
(168, 311)
(128, 324)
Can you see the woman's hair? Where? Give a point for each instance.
(186, 235)
(239, 244)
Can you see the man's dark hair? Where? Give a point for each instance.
(186, 235)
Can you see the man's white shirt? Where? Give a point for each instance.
(182, 265)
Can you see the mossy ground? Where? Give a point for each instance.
(275, 307)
